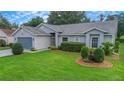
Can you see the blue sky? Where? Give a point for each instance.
(20, 17)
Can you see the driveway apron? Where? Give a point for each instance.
(7, 52)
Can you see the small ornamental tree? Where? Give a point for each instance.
(84, 52)
(107, 46)
(17, 49)
(99, 55)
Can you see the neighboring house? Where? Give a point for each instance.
(45, 35)
(6, 34)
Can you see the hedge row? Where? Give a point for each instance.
(71, 46)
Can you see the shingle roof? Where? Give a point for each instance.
(8, 31)
(110, 26)
(34, 30)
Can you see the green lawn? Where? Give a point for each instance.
(4, 48)
(56, 65)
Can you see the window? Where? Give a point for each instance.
(65, 39)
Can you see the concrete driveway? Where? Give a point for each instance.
(7, 52)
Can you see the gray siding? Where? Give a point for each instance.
(90, 34)
(73, 38)
(42, 42)
(3, 36)
(108, 38)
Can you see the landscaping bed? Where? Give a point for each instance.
(92, 64)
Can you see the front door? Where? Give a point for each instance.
(95, 42)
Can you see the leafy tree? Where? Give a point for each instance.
(4, 23)
(14, 25)
(111, 17)
(34, 22)
(67, 17)
(120, 18)
(120, 24)
(101, 17)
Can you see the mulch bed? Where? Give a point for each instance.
(99, 65)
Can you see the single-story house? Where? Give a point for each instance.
(44, 35)
(6, 34)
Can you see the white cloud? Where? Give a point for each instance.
(23, 16)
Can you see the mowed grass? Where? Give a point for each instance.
(57, 65)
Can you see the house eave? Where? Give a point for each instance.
(107, 34)
(41, 35)
(72, 35)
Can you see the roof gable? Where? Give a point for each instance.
(8, 32)
(31, 30)
(94, 28)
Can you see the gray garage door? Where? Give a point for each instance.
(25, 41)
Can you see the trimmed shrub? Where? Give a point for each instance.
(99, 55)
(116, 46)
(2, 43)
(71, 46)
(17, 49)
(107, 46)
(84, 52)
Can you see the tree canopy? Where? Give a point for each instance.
(34, 21)
(120, 24)
(67, 17)
(120, 18)
(4, 23)
(14, 25)
(101, 17)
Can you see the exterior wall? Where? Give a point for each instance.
(3, 36)
(89, 37)
(38, 42)
(108, 38)
(22, 33)
(42, 42)
(72, 38)
(10, 39)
